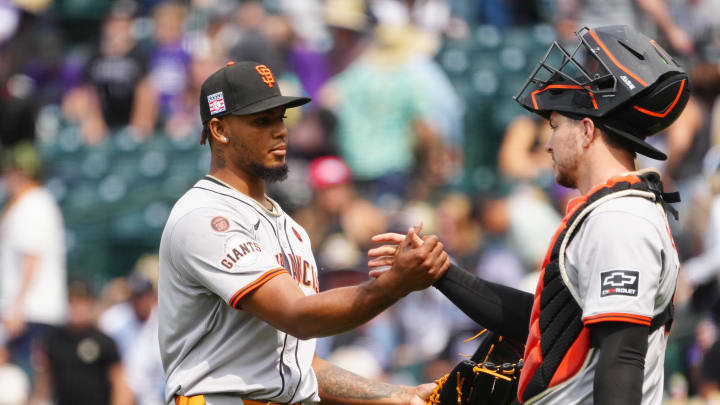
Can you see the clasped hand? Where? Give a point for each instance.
(415, 263)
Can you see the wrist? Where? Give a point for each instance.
(408, 395)
(387, 285)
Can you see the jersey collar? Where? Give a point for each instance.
(275, 212)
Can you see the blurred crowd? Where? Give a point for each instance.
(383, 146)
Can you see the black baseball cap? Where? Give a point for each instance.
(242, 88)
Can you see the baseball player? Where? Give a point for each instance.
(239, 301)
(599, 318)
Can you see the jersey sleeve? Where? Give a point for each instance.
(222, 255)
(619, 263)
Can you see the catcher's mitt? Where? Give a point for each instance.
(489, 377)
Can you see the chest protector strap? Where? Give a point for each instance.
(558, 342)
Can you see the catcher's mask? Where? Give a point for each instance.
(621, 79)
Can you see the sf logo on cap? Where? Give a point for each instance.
(266, 73)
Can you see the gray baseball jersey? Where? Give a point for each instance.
(623, 267)
(219, 245)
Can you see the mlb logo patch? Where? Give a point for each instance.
(216, 102)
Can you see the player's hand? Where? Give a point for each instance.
(421, 394)
(383, 257)
(416, 267)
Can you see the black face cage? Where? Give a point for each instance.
(590, 73)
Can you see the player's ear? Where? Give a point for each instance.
(588, 131)
(218, 130)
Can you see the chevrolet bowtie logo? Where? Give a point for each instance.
(618, 279)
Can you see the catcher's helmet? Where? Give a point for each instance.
(630, 86)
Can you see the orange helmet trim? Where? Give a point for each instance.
(615, 61)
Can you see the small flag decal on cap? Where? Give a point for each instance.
(266, 73)
(216, 102)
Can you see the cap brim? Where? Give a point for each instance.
(636, 144)
(270, 103)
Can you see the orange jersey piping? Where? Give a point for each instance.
(617, 317)
(267, 276)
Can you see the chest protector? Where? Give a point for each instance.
(558, 342)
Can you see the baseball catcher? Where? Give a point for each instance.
(595, 331)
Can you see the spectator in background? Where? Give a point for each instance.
(106, 99)
(458, 229)
(689, 140)
(384, 115)
(702, 270)
(709, 384)
(33, 292)
(349, 26)
(331, 183)
(497, 262)
(313, 136)
(133, 326)
(123, 321)
(702, 23)
(76, 363)
(17, 110)
(705, 336)
(338, 221)
(522, 154)
(690, 137)
(251, 40)
(18, 96)
(268, 39)
(159, 94)
(183, 121)
(645, 15)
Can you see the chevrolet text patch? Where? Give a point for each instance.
(216, 101)
(619, 282)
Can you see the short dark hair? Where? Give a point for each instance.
(615, 141)
(610, 139)
(205, 134)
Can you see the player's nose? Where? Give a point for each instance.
(280, 131)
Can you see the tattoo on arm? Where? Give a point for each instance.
(336, 384)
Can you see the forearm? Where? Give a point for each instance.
(339, 386)
(341, 309)
(621, 363)
(499, 308)
(281, 303)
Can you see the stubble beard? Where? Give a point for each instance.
(564, 174)
(565, 180)
(269, 174)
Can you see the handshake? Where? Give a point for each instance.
(408, 262)
(490, 376)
